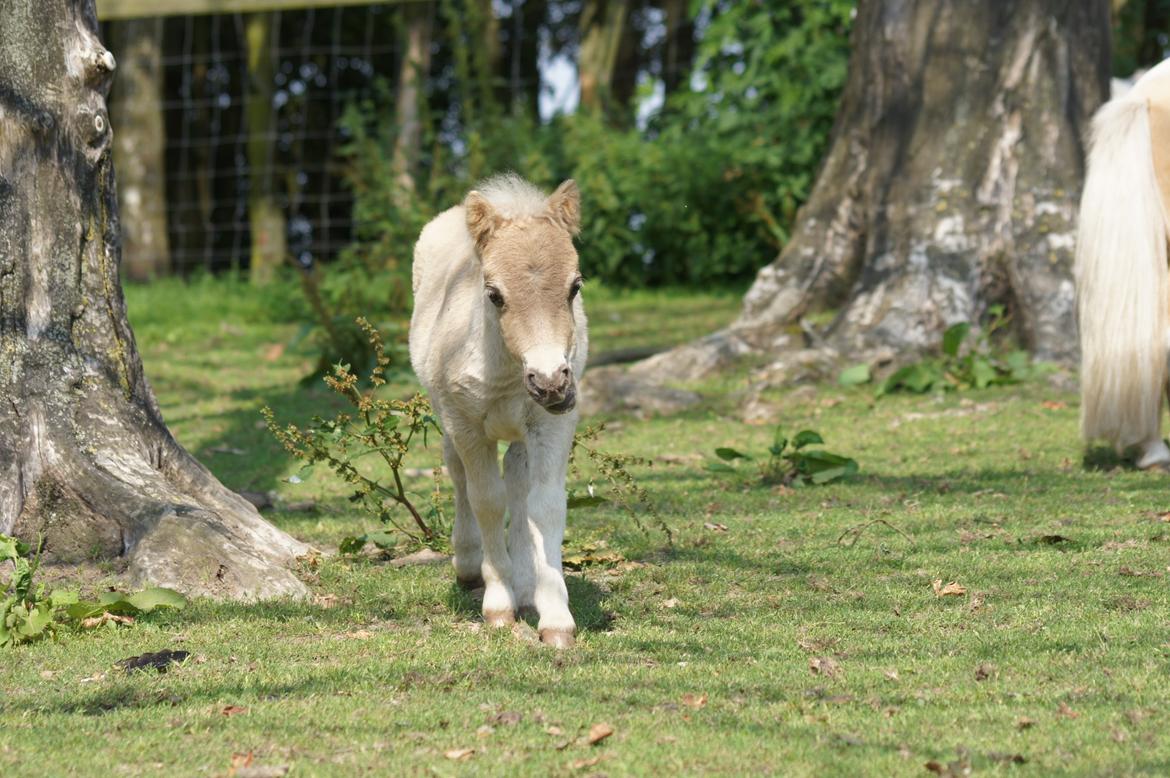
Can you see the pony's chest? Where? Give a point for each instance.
(506, 419)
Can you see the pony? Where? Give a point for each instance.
(1123, 294)
(498, 339)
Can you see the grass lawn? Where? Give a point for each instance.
(785, 632)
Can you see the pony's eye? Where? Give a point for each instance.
(576, 287)
(495, 296)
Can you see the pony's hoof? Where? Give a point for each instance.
(469, 584)
(498, 618)
(558, 638)
(526, 612)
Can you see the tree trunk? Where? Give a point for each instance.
(416, 62)
(139, 148)
(85, 459)
(265, 214)
(679, 48)
(602, 26)
(951, 185)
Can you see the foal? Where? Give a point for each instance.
(498, 340)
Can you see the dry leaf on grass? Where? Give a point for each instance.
(261, 771)
(581, 764)
(232, 710)
(714, 527)
(459, 754)
(824, 665)
(984, 671)
(508, 717)
(1065, 711)
(953, 589)
(106, 618)
(671, 603)
(599, 732)
(1023, 722)
(695, 701)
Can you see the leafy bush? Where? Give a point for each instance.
(373, 426)
(791, 462)
(27, 614)
(705, 193)
(964, 362)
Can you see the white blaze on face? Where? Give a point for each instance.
(547, 361)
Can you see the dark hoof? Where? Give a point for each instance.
(498, 618)
(558, 638)
(469, 584)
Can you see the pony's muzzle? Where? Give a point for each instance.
(556, 393)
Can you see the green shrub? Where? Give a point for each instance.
(705, 193)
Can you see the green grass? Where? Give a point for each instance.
(1057, 653)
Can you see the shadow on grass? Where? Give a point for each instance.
(1104, 459)
(585, 602)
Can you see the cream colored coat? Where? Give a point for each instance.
(483, 366)
(1123, 292)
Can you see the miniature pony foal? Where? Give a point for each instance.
(498, 340)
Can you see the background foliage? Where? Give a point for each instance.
(762, 72)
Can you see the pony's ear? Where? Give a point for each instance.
(564, 206)
(482, 218)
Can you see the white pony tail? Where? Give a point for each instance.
(1123, 294)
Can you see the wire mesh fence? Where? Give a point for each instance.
(307, 66)
(229, 142)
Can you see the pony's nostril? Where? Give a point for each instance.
(565, 371)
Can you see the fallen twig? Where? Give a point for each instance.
(859, 530)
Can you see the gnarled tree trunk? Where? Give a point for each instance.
(951, 184)
(85, 458)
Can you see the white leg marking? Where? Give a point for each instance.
(1154, 454)
(519, 538)
(549, 443)
(485, 490)
(465, 540)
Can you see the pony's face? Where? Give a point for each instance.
(531, 280)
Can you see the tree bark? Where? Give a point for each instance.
(139, 148)
(679, 48)
(416, 62)
(265, 215)
(951, 184)
(602, 26)
(85, 459)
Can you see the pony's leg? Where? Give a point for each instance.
(464, 534)
(486, 494)
(1154, 454)
(548, 446)
(520, 545)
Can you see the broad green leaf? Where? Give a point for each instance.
(953, 338)
(62, 597)
(157, 597)
(855, 376)
(983, 373)
(37, 623)
(351, 545)
(806, 438)
(728, 454)
(719, 467)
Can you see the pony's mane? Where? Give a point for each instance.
(513, 197)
